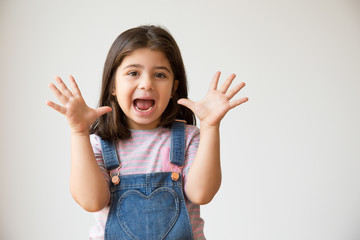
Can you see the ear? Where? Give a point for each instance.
(113, 92)
(176, 84)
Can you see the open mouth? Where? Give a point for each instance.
(144, 105)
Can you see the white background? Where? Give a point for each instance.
(290, 156)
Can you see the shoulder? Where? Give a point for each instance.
(192, 135)
(95, 143)
(94, 138)
(191, 131)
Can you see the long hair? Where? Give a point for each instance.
(113, 125)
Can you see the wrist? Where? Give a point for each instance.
(206, 126)
(80, 133)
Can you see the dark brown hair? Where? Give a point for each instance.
(113, 125)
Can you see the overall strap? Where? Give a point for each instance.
(110, 155)
(177, 148)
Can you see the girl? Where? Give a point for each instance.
(134, 161)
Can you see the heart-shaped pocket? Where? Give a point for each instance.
(148, 217)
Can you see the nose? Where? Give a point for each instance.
(146, 82)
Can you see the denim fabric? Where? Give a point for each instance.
(148, 206)
(177, 147)
(110, 155)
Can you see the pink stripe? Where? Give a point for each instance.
(198, 229)
(190, 154)
(197, 221)
(194, 210)
(191, 149)
(138, 167)
(149, 133)
(155, 169)
(139, 161)
(142, 172)
(136, 145)
(135, 156)
(132, 152)
(141, 138)
(199, 235)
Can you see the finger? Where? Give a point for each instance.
(63, 87)
(63, 99)
(214, 81)
(225, 86)
(187, 103)
(237, 102)
(231, 93)
(74, 87)
(56, 107)
(103, 110)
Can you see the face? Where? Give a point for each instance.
(144, 83)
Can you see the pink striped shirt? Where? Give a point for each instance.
(147, 151)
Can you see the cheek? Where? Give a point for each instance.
(123, 98)
(168, 90)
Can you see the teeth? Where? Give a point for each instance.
(143, 110)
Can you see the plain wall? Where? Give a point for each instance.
(290, 156)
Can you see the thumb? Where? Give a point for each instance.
(103, 110)
(187, 103)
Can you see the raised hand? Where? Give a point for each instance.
(214, 106)
(79, 115)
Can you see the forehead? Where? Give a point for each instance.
(147, 58)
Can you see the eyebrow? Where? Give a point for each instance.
(141, 66)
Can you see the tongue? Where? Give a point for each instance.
(143, 104)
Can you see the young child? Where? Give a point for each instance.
(133, 160)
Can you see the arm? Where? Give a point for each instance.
(204, 177)
(88, 185)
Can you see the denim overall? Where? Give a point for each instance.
(148, 206)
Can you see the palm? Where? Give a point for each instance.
(214, 106)
(79, 115)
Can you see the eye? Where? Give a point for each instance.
(133, 73)
(160, 75)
